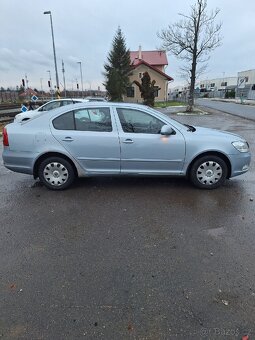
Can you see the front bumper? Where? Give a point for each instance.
(240, 163)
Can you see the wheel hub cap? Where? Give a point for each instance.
(55, 173)
(209, 173)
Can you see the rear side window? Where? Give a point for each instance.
(96, 119)
(64, 122)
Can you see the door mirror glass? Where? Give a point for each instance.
(166, 130)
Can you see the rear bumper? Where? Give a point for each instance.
(19, 161)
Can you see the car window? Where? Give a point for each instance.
(50, 106)
(138, 122)
(64, 122)
(66, 102)
(96, 119)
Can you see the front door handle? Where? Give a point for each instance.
(128, 141)
(67, 139)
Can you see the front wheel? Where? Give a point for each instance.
(56, 173)
(208, 172)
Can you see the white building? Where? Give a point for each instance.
(241, 86)
(217, 84)
(246, 84)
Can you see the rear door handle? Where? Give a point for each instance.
(67, 139)
(128, 141)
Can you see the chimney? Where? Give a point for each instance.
(140, 53)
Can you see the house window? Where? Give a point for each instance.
(156, 93)
(130, 91)
(224, 83)
(253, 87)
(202, 86)
(212, 84)
(140, 75)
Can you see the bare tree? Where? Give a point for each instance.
(192, 39)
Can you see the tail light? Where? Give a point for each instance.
(5, 137)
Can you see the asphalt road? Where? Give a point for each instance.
(129, 258)
(240, 110)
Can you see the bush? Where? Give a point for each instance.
(230, 94)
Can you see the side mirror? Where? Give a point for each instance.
(166, 130)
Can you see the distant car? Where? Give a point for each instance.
(53, 104)
(96, 99)
(93, 138)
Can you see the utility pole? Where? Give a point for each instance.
(50, 85)
(27, 86)
(79, 62)
(64, 79)
(54, 50)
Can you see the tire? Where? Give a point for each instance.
(208, 172)
(56, 173)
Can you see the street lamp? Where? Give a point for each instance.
(54, 52)
(79, 62)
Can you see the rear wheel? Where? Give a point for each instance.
(208, 172)
(56, 173)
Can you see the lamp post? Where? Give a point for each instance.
(79, 62)
(63, 70)
(41, 79)
(53, 44)
(50, 86)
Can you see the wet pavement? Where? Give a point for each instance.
(129, 258)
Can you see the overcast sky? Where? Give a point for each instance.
(84, 31)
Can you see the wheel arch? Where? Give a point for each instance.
(52, 154)
(212, 153)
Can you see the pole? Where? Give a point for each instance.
(27, 94)
(79, 62)
(54, 50)
(64, 79)
(51, 92)
(41, 79)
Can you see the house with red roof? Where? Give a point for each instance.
(153, 62)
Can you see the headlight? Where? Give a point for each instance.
(241, 146)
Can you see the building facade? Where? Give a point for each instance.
(153, 62)
(242, 85)
(246, 84)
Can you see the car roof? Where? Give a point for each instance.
(68, 99)
(92, 105)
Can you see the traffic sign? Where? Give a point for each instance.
(23, 108)
(34, 98)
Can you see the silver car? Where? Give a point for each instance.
(90, 139)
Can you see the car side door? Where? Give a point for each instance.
(90, 136)
(143, 149)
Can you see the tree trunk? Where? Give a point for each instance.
(192, 86)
